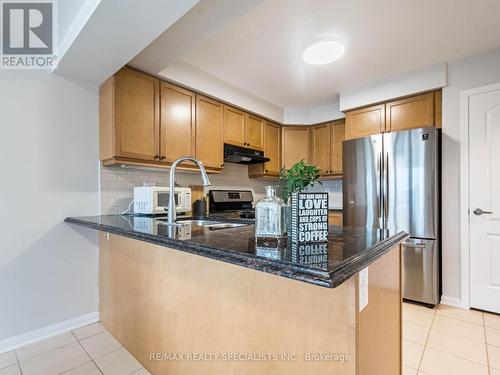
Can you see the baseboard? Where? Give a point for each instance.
(15, 342)
(451, 301)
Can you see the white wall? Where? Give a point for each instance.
(49, 170)
(472, 72)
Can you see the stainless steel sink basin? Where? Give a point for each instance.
(226, 225)
(211, 224)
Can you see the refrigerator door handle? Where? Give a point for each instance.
(380, 193)
(386, 190)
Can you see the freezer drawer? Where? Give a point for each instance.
(421, 270)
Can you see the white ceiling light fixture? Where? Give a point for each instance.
(323, 52)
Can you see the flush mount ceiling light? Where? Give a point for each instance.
(323, 52)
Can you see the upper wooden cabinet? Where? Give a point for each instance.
(177, 127)
(295, 145)
(417, 111)
(365, 121)
(209, 132)
(326, 147)
(130, 116)
(410, 113)
(243, 129)
(272, 150)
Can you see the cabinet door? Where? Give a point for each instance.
(295, 145)
(177, 122)
(335, 218)
(137, 115)
(209, 139)
(272, 149)
(234, 126)
(414, 112)
(254, 132)
(338, 136)
(320, 144)
(365, 121)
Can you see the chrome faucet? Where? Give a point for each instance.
(172, 214)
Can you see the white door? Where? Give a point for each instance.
(484, 200)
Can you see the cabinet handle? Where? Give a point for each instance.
(163, 157)
(267, 170)
(156, 156)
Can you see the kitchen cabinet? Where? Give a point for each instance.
(177, 125)
(335, 218)
(243, 129)
(209, 132)
(272, 150)
(438, 109)
(295, 145)
(410, 113)
(326, 147)
(130, 117)
(365, 121)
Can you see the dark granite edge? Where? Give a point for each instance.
(326, 279)
(351, 266)
(311, 276)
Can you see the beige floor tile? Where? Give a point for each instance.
(143, 371)
(412, 353)
(89, 330)
(459, 346)
(415, 333)
(415, 306)
(493, 336)
(119, 362)
(435, 362)
(492, 320)
(100, 344)
(45, 346)
(88, 368)
(8, 359)
(471, 316)
(11, 370)
(494, 357)
(56, 361)
(459, 328)
(422, 318)
(407, 370)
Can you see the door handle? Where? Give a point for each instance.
(479, 212)
(414, 245)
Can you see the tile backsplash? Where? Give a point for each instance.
(117, 184)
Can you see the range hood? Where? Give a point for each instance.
(242, 155)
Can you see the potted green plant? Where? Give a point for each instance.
(298, 178)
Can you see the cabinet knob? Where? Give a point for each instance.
(267, 170)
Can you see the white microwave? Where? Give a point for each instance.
(153, 200)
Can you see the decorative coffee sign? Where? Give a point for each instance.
(309, 217)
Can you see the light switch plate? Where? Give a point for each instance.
(363, 289)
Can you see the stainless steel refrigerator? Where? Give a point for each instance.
(392, 181)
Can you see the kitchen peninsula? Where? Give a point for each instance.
(171, 295)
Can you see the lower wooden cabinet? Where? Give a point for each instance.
(335, 218)
(209, 132)
(272, 150)
(295, 145)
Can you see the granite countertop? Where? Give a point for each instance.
(329, 264)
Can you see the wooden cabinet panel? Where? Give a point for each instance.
(272, 150)
(295, 145)
(365, 121)
(335, 218)
(414, 112)
(177, 122)
(438, 109)
(254, 132)
(234, 126)
(320, 147)
(338, 136)
(209, 128)
(137, 115)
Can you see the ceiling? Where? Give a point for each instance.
(260, 51)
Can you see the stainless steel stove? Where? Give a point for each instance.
(231, 203)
